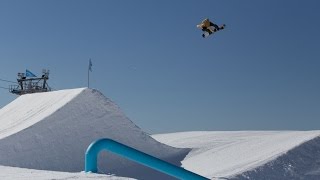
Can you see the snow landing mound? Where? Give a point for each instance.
(51, 131)
(250, 154)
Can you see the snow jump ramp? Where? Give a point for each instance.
(51, 131)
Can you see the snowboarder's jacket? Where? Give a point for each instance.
(205, 23)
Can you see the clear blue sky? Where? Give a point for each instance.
(261, 73)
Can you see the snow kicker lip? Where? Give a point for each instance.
(134, 155)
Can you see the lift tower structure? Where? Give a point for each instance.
(28, 83)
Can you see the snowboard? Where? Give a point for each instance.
(210, 31)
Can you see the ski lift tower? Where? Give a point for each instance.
(33, 84)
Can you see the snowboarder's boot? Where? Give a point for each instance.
(205, 34)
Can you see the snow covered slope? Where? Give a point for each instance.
(51, 131)
(30, 109)
(12, 173)
(250, 154)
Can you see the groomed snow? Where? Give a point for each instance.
(52, 130)
(227, 154)
(10, 173)
(32, 108)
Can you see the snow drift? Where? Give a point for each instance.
(51, 131)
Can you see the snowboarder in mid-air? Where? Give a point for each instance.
(209, 27)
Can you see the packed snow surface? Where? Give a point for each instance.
(226, 155)
(13, 173)
(230, 153)
(30, 109)
(52, 130)
(45, 136)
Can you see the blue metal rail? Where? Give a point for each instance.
(137, 156)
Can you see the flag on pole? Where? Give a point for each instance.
(90, 65)
(29, 74)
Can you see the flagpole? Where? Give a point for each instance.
(88, 77)
(89, 69)
(89, 72)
